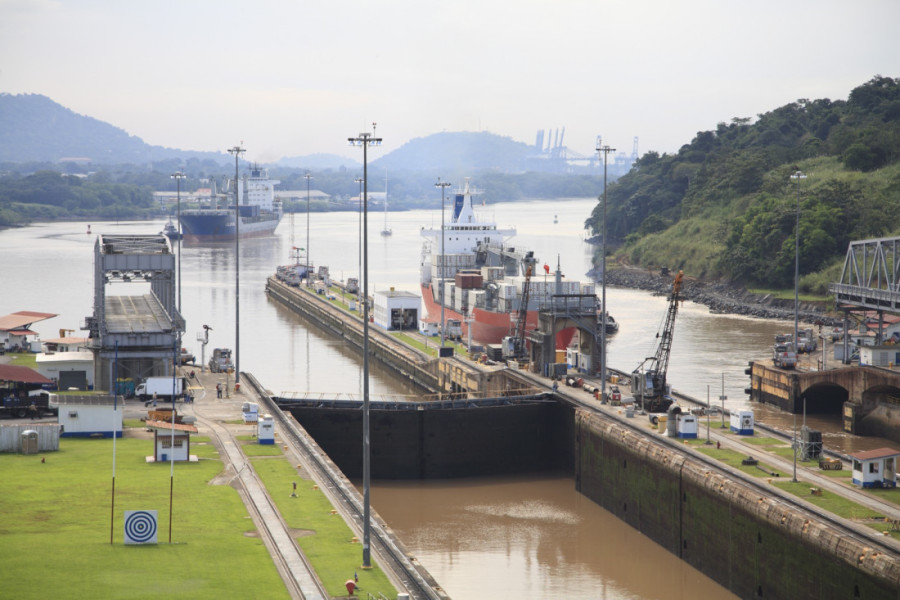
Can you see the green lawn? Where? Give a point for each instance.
(56, 527)
(324, 537)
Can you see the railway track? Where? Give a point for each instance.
(393, 558)
(297, 574)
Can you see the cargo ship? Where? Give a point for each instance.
(469, 267)
(260, 211)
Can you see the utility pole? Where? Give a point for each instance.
(443, 185)
(237, 151)
(365, 140)
(605, 150)
(307, 177)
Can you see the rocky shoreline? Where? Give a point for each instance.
(720, 297)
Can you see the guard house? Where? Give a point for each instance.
(136, 333)
(171, 445)
(397, 310)
(875, 468)
(89, 415)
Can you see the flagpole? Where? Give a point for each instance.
(172, 443)
(112, 504)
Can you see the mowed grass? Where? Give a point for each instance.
(55, 527)
(325, 538)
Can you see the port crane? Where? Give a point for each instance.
(648, 381)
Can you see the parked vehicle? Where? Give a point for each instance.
(806, 340)
(161, 387)
(186, 357)
(352, 285)
(783, 356)
(220, 361)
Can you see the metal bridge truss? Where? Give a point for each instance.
(870, 278)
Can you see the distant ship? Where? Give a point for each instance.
(260, 212)
(171, 231)
(483, 278)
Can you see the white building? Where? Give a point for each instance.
(397, 310)
(741, 422)
(171, 441)
(68, 369)
(89, 415)
(879, 356)
(875, 468)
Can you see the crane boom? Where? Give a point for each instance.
(521, 321)
(650, 382)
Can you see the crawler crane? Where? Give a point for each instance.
(648, 380)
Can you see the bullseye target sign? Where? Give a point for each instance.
(140, 526)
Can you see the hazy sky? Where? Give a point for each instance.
(295, 77)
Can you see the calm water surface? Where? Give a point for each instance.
(507, 538)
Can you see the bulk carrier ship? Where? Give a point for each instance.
(260, 212)
(483, 278)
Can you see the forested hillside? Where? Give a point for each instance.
(725, 206)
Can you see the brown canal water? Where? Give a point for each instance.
(511, 538)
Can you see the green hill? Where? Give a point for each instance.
(725, 206)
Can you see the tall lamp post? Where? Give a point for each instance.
(443, 185)
(605, 150)
(178, 176)
(237, 151)
(797, 175)
(307, 177)
(366, 139)
(359, 180)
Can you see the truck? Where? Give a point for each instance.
(352, 285)
(18, 405)
(453, 330)
(783, 356)
(161, 387)
(220, 361)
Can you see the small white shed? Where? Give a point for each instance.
(397, 310)
(89, 415)
(879, 356)
(742, 422)
(875, 468)
(265, 430)
(171, 441)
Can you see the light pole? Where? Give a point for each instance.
(605, 150)
(365, 140)
(307, 177)
(359, 180)
(237, 151)
(178, 176)
(797, 175)
(443, 185)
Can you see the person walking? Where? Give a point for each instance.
(218, 390)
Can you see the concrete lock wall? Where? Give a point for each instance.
(441, 443)
(750, 542)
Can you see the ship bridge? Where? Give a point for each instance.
(140, 331)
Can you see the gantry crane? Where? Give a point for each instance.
(648, 381)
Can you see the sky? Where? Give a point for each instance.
(293, 78)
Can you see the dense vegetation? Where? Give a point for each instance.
(725, 206)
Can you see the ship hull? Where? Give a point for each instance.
(218, 226)
(489, 327)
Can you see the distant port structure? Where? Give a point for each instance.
(550, 150)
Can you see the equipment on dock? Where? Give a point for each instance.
(517, 340)
(648, 380)
(784, 356)
(220, 361)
